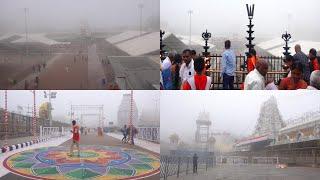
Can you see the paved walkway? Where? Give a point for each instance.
(251, 172)
(95, 70)
(52, 142)
(90, 139)
(154, 147)
(31, 77)
(18, 140)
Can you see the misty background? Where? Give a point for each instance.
(145, 101)
(229, 18)
(67, 15)
(235, 112)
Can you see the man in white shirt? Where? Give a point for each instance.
(187, 68)
(167, 62)
(255, 80)
(314, 81)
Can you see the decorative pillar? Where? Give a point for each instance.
(286, 37)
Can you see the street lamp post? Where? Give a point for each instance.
(140, 6)
(286, 37)
(6, 118)
(26, 10)
(131, 117)
(190, 13)
(161, 43)
(206, 36)
(34, 120)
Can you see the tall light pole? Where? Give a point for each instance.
(26, 11)
(6, 118)
(34, 120)
(131, 117)
(190, 13)
(140, 6)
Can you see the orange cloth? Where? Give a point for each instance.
(288, 84)
(251, 63)
(315, 64)
(75, 133)
(200, 82)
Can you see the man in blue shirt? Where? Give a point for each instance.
(228, 66)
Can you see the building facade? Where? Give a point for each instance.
(124, 112)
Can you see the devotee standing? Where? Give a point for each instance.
(187, 68)
(124, 133)
(296, 80)
(255, 80)
(195, 163)
(288, 61)
(314, 62)
(166, 71)
(199, 81)
(314, 80)
(228, 66)
(175, 72)
(75, 138)
(303, 59)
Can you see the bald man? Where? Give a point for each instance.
(303, 59)
(256, 80)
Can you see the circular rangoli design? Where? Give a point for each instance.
(95, 162)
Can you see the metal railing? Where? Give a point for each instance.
(175, 165)
(53, 132)
(149, 134)
(246, 160)
(275, 72)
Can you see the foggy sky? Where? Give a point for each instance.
(228, 17)
(235, 112)
(66, 15)
(111, 100)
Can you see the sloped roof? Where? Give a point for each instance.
(141, 45)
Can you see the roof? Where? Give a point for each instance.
(135, 72)
(124, 36)
(275, 46)
(171, 42)
(32, 38)
(307, 120)
(141, 45)
(252, 140)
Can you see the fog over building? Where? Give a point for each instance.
(124, 111)
(270, 120)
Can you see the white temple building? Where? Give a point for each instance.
(124, 111)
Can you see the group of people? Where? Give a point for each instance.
(128, 132)
(186, 72)
(301, 72)
(189, 71)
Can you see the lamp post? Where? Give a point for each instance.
(140, 6)
(26, 11)
(34, 120)
(190, 13)
(250, 38)
(161, 43)
(286, 37)
(6, 117)
(206, 36)
(131, 117)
